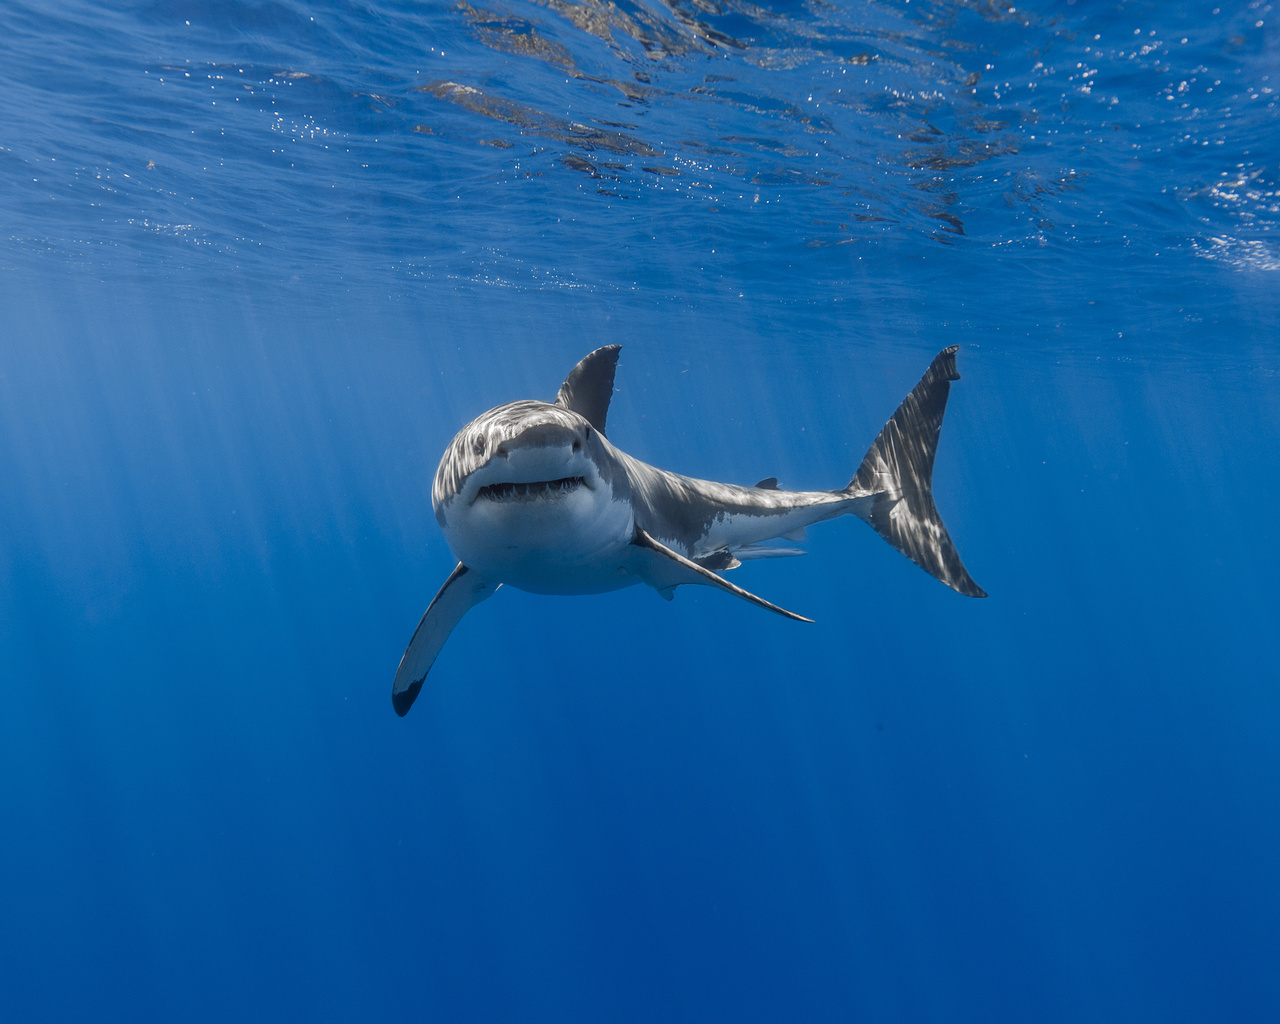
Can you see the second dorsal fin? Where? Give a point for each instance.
(589, 386)
(769, 483)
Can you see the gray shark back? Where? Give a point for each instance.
(699, 517)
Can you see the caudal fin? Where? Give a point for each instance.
(897, 474)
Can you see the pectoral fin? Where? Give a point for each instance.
(462, 591)
(664, 569)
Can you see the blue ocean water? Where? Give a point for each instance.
(259, 260)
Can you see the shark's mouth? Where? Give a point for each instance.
(539, 490)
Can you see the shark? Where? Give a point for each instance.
(534, 495)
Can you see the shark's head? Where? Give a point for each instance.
(527, 486)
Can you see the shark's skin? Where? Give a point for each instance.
(533, 495)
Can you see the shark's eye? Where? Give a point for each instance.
(478, 446)
(588, 433)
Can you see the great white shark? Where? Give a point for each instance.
(533, 495)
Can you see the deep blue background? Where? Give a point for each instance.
(253, 277)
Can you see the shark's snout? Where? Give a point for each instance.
(542, 462)
(544, 435)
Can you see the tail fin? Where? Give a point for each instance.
(897, 474)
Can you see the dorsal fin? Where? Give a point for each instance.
(769, 483)
(589, 386)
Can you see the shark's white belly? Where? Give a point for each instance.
(571, 543)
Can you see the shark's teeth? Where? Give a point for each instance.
(544, 490)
